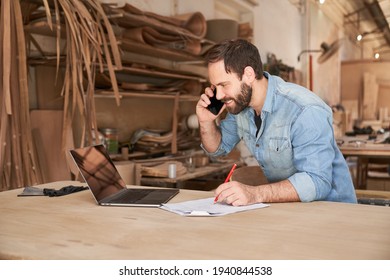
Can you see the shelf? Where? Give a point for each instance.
(145, 49)
(212, 168)
(159, 74)
(124, 94)
(41, 27)
(151, 68)
(130, 17)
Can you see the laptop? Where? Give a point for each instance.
(107, 186)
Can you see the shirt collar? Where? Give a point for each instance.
(270, 96)
(269, 99)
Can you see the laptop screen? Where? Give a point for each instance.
(98, 171)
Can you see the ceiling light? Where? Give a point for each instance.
(376, 55)
(322, 1)
(364, 34)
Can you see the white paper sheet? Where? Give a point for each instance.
(206, 207)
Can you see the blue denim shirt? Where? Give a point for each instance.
(295, 142)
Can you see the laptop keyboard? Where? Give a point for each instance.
(130, 196)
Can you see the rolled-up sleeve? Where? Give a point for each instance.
(304, 186)
(230, 137)
(219, 152)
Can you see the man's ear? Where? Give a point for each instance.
(249, 75)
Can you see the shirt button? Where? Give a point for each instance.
(257, 145)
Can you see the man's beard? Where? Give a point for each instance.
(241, 101)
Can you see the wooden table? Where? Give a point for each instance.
(360, 146)
(370, 150)
(364, 152)
(74, 227)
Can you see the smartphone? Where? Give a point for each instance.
(215, 105)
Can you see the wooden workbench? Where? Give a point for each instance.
(74, 227)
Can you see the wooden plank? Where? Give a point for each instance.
(370, 96)
(6, 58)
(132, 46)
(49, 93)
(31, 167)
(48, 136)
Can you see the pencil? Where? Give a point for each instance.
(227, 179)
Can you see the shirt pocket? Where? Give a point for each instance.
(280, 153)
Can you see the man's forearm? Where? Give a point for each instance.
(282, 191)
(210, 136)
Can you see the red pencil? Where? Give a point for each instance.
(227, 179)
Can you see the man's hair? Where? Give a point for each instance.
(236, 54)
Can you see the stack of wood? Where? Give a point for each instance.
(18, 161)
(151, 79)
(181, 33)
(176, 38)
(152, 141)
(90, 47)
(149, 140)
(88, 43)
(85, 44)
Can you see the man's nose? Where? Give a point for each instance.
(220, 95)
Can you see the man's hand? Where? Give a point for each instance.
(203, 114)
(209, 132)
(237, 194)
